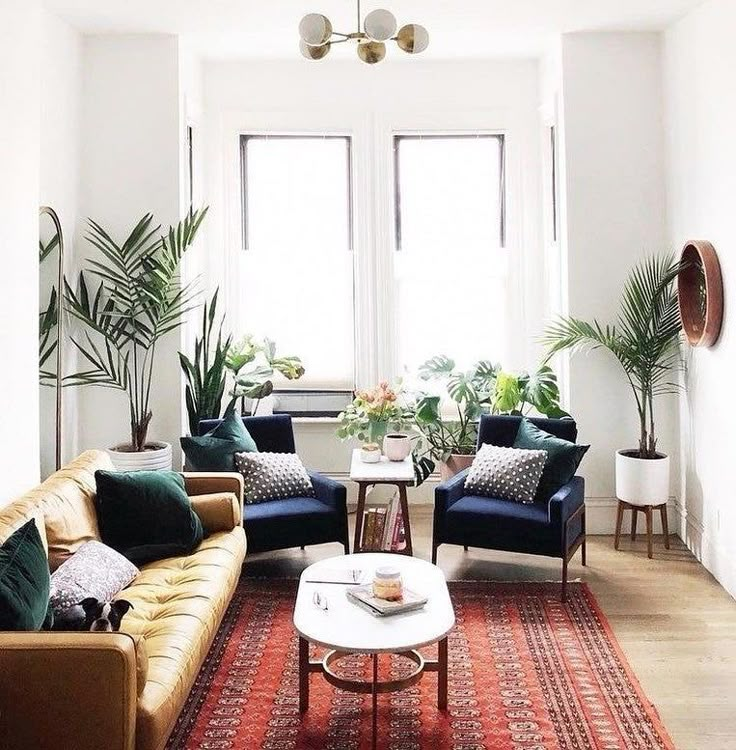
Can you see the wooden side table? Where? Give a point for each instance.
(398, 473)
(648, 511)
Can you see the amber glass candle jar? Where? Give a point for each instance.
(387, 584)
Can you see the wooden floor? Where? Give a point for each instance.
(675, 623)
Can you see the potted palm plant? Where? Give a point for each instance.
(138, 300)
(645, 342)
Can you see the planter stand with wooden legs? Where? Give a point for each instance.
(647, 510)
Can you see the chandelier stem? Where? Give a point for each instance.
(358, 4)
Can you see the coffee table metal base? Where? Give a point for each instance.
(374, 687)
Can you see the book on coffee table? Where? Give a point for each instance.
(349, 576)
(363, 597)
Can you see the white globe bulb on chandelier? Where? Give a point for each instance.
(317, 36)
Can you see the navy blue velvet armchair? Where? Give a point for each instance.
(554, 528)
(291, 522)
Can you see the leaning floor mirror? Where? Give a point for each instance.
(50, 349)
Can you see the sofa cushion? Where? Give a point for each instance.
(66, 503)
(493, 523)
(563, 457)
(146, 515)
(178, 604)
(215, 451)
(24, 581)
(95, 570)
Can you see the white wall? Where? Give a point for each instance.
(130, 157)
(19, 166)
(61, 101)
(699, 64)
(614, 214)
(346, 96)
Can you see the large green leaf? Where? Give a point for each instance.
(437, 367)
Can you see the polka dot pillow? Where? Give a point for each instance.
(505, 473)
(273, 476)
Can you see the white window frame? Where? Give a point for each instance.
(372, 135)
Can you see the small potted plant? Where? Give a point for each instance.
(645, 341)
(138, 301)
(252, 363)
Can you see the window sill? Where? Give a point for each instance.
(315, 420)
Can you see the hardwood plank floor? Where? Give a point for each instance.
(676, 625)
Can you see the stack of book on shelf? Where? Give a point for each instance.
(383, 528)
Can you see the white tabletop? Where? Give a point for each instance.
(381, 471)
(347, 627)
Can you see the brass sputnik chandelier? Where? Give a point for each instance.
(379, 26)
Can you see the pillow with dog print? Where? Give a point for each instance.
(94, 571)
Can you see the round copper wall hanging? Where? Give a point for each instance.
(700, 291)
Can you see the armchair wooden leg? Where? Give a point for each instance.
(585, 562)
(434, 553)
(302, 548)
(564, 580)
(465, 547)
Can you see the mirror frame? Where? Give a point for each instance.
(700, 276)
(48, 211)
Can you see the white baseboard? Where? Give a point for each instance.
(716, 558)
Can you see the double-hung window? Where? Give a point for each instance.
(296, 268)
(450, 264)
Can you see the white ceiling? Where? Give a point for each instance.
(268, 28)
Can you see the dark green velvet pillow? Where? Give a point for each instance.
(216, 450)
(24, 581)
(563, 457)
(146, 515)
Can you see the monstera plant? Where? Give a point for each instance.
(252, 363)
(485, 388)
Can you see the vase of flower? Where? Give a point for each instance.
(373, 413)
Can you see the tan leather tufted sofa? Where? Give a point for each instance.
(118, 691)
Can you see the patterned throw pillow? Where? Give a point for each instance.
(505, 473)
(273, 476)
(93, 570)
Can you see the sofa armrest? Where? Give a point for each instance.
(218, 511)
(567, 500)
(210, 482)
(68, 690)
(329, 491)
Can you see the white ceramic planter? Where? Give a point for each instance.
(156, 457)
(396, 446)
(642, 481)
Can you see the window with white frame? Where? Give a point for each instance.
(450, 262)
(295, 272)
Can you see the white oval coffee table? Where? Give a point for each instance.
(345, 628)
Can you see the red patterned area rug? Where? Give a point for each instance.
(525, 673)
